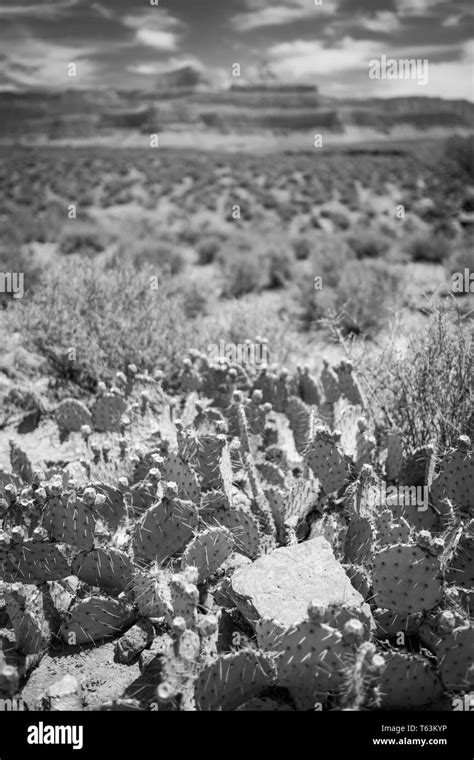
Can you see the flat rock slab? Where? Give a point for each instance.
(280, 585)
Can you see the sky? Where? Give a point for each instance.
(121, 44)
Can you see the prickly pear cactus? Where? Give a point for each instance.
(104, 568)
(208, 551)
(107, 412)
(165, 528)
(327, 461)
(455, 481)
(408, 681)
(94, 619)
(20, 463)
(67, 518)
(26, 608)
(71, 415)
(407, 579)
(233, 679)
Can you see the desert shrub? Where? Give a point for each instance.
(427, 247)
(366, 291)
(340, 220)
(193, 296)
(468, 202)
(460, 150)
(81, 237)
(425, 390)
(462, 258)
(368, 244)
(330, 254)
(302, 247)
(243, 272)
(207, 249)
(357, 301)
(279, 263)
(28, 224)
(110, 317)
(162, 255)
(16, 259)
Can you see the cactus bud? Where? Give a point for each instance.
(89, 496)
(353, 631)
(178, 626)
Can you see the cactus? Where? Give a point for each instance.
(406, 579)
(207, 551)
(308, 658)
(242, 525)
(394, 460)
(96, 618)
(178, 471)
(111, 509)
(213, 463)
(348, 385)
(408, 681)
(165, 528)
(107, 412)
(233, 679)
(455, 481)
(71, 415)
(179, 672)
(20, 463)
(104, 568)
(68, 519)
(302, 421)
(308, 387)
(454, 654)
(26, 607)
(359, 543)
(152, 593)
(31, 560)
(185, 596)
(327, 461)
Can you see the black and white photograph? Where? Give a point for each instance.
(236, 370)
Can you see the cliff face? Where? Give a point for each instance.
(181, 97)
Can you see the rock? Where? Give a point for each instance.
(63, 695)
(130, 646)
(280, 585)
(9, 677)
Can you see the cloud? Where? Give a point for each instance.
(304, 59)
(155, 29)
(49, 9)
(34, 63)
(261, 15)
(153, 68)
(417, 7)
(384, 21)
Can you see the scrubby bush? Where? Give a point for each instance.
(358, 300)
(207, 249)
(163, 255)
(82, 237)
(428, 247)
(460, 150)
(425, 390)
(243, 272)
(110, 317)
(368, 244)
(278, 260)
(462, 258)
(302, 247)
